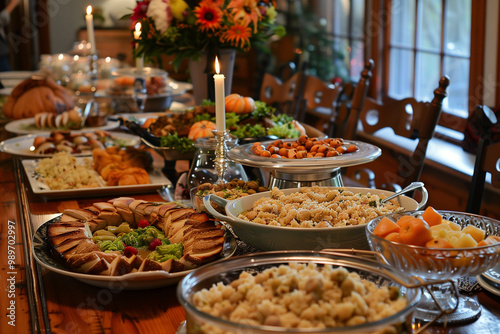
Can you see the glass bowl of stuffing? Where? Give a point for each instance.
(299, 292)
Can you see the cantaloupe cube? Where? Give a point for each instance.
(475, 232)
(490, 240)
(465, 241)
(384, 227)
(454, 226)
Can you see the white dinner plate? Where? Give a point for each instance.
(156, 177)
(27, 126)
(16, 74)
(493, 274)
(487, 285)
(6, 91)
(23, 145)
(132, 281)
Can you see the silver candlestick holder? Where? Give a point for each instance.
(93, 74)
(91, 110)
(221, 161)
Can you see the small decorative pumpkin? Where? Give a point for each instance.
(201, 129)
(239, 104)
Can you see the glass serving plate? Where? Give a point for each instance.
(436, 263)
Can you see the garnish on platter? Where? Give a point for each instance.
(126, 235)
(245, 118)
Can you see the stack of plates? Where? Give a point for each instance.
(490, 280)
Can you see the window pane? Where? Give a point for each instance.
(458, 27)
(403, 22)
(427, 76)
(401, 74)
(356, 62)
(358, 16)
(429, 24)
(458, 91)
(341, 58)
(341, 14)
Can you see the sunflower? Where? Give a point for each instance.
(238, 36)
(245, 11)
(208, 16)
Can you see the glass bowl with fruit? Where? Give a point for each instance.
(434, 245)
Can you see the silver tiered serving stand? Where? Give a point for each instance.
(295, 173)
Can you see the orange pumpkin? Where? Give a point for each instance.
(239, 104)
(201, 129)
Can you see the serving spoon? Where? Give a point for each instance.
(411, 187)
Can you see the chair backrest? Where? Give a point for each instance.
(347, 115)
(487, 158)
(333, 102)
(320, 99)
(408, 118)
(286, 95)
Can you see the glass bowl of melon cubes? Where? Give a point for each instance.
(434, 243)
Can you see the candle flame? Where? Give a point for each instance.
(138, 27)
(217, 66)
(60, 57)
(108, 59)
(89, 10)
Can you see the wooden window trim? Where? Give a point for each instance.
(380, 11)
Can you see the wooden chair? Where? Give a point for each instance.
(331, 104)
(285, 96)
(320, 102)
(487, 159)
(410, 119)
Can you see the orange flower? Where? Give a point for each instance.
(209, 17)
(238, 35)
(245, 11)
(218, 3)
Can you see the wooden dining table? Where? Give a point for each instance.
(38, 300)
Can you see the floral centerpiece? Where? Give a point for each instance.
(188, 28)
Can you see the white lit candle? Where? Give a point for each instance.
(139, 61)
(220, 107)
(90, 29)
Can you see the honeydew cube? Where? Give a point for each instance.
(475, 232)
(453, 240)
(452, 234)
(440, 230)
(452, 225)
(465, 241)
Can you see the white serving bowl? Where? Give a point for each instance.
(266, 237)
